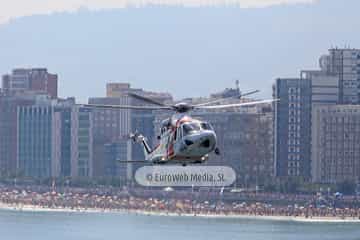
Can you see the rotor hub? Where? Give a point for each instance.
(183, 107)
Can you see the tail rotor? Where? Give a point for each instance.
(136, 137)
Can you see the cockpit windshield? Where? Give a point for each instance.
(189, 128)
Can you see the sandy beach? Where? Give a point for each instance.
(268, 206)
(33, 208)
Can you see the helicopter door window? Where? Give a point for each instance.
(206, 126)
(179, 133)
(176, 134)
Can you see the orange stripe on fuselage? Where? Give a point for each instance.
(183, 120)
(171, 150)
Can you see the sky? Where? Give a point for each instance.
(187, 52)
(11, 9)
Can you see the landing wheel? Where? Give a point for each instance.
(184, 164)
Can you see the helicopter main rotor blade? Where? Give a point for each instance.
(125, 107)
(249, 93)
(228, 98)
(214, 102)
(237, 104)
(148, 100)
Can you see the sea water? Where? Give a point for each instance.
(27, 225)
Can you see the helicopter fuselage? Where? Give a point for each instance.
(182, 140)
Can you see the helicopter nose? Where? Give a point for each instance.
(207, 140)
(205, 143)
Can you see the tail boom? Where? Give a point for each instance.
(139, 138)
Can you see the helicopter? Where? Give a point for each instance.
(183, 139)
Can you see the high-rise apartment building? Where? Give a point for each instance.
(40, 135)
(110, 126)
(36, 80)
(293, 118)
(324, 87)
(8, 131)
(292, 127)
(345, 63)
(336, 143)
(39, 141)
(54, 138)
(116, 90)
(81, 142)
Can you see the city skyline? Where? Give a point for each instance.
(334, 83)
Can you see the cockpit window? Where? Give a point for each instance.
(205, 126)
(189, 128)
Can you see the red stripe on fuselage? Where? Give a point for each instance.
(183, 120)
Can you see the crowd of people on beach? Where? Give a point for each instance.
(137, 201)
